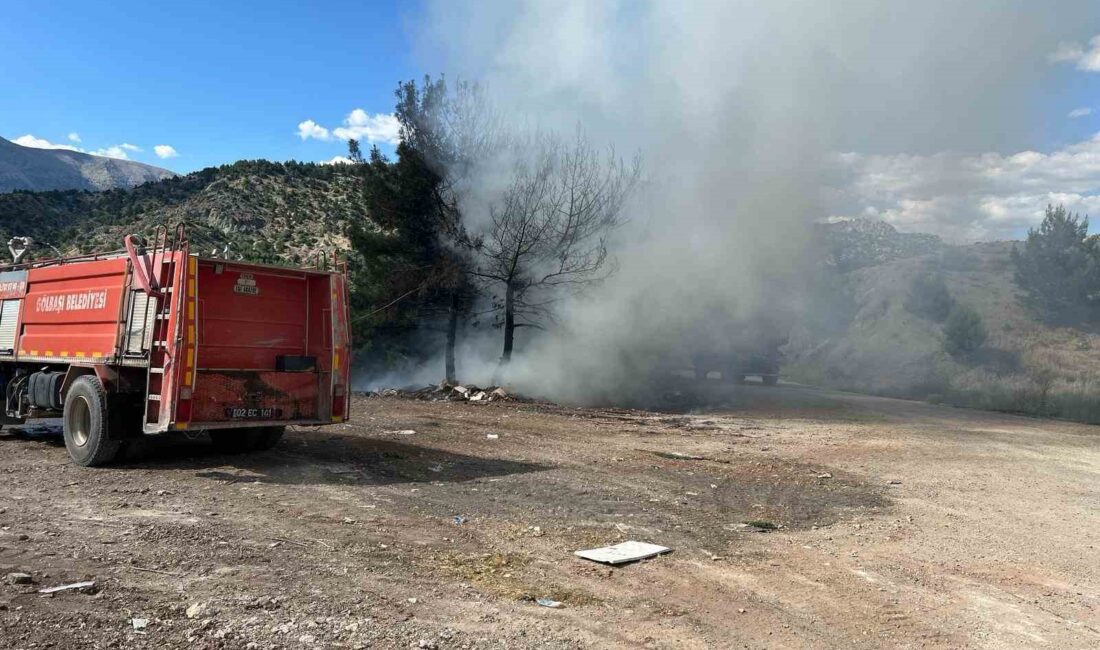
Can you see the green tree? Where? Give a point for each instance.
(354, 153)
(929, 298)
(964, 331)
(1059, 268)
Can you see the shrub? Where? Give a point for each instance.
(964, 331)
(929, 297)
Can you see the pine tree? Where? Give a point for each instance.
(1059, 268)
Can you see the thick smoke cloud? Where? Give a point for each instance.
(740, 110)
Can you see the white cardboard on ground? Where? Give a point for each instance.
(625, 552)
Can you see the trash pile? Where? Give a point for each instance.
(445, 392)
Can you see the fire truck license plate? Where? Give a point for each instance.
(253, 413)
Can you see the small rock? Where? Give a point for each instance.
(196, 610)
(20, 579)
(895, 481)
(412, 601)
(139, 623)
(825, 475)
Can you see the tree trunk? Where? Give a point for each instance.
(509, 333)
(452, 336)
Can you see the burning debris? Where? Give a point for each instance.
(445, 392)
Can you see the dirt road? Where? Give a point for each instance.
(900, 525)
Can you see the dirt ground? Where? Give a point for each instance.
(899, 524)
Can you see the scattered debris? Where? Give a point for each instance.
(139, 623)
(87, 586)
(492, 436)
(895, 481)
(825, 475)
(20, 578)
(547, 602)
(620, 553)
(450, 393)
(412, 601)
(460, 519)
(675, 455)
(755, 526)
(404, 432)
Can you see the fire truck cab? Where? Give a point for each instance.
(153, 339)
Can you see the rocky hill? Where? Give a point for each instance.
(27, 168)
(856, 243)
(875, 343)
(262, 211)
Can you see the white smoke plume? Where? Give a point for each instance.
(739, 109)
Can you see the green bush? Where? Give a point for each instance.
(964, 331)
(929, 297)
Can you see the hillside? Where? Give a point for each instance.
(271, 212)
(1025, 366)
(27, 168)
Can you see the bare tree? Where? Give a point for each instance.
(548, 228)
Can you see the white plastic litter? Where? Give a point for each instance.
(625, 552)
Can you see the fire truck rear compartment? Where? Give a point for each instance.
(264, 346)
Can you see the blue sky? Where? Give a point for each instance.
(217, 81)
(189, 85)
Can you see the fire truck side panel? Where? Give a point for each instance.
(73, 311)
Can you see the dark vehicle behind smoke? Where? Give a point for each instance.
(737, 349)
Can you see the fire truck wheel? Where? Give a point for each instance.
(234, 441)
(269, 437)
(85, 415)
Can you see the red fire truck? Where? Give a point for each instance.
(153, 339)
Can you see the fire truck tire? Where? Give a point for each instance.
(269, 437)
(85, 423)
(234, 441)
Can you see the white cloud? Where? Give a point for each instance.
(968, 197)
(1084, 57)
(337, 160)
(358, 125)
(164, 151)
(41, 143)
(310, 129)
(1080, 112)
(74, 137)
(117, 151)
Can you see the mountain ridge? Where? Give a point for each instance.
(38, 170)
